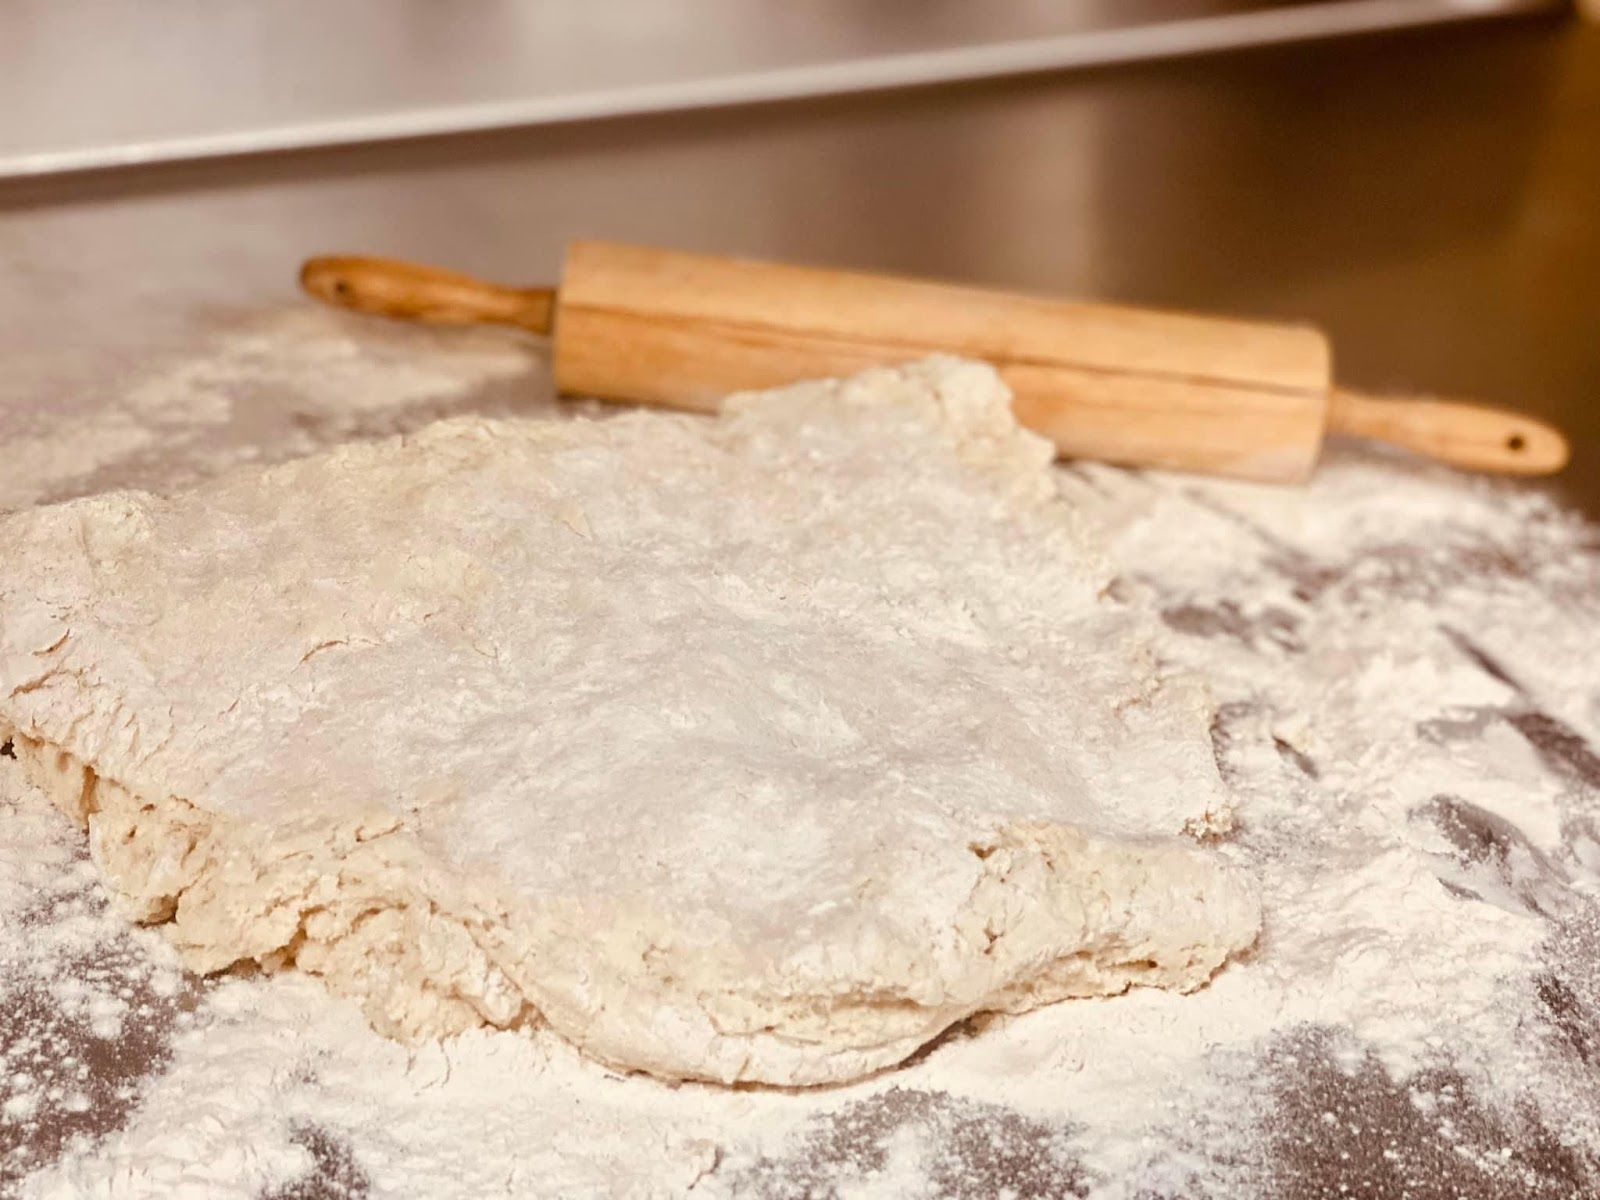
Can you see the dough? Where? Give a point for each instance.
(760, 748)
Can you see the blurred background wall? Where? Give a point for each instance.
(1429, 195)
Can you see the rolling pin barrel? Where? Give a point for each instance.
(1115, 384)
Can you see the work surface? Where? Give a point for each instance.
(1401, 659)
(1427, 198)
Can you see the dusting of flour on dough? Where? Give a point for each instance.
(823, 738)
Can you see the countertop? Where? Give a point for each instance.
(1430, 198)
(1426, 197)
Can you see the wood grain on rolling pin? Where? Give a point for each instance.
(1206, 394)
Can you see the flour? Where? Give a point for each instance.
(78, 987)
(270, 387)
(1404, 663)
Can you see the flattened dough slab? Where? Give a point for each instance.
(756, 748)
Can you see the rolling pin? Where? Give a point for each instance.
(1122, 385)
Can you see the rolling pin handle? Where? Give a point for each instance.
(391, 288)
(1475, 437)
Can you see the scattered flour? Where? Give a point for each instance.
(1404, 665)
(270, 387)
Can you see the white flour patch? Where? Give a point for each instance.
(81, 991)
(346, 365)
(36, 463)
(270, 387)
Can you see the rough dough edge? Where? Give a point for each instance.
(359, 905)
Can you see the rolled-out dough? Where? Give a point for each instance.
(756, 748)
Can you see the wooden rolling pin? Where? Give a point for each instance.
(1122, 385)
